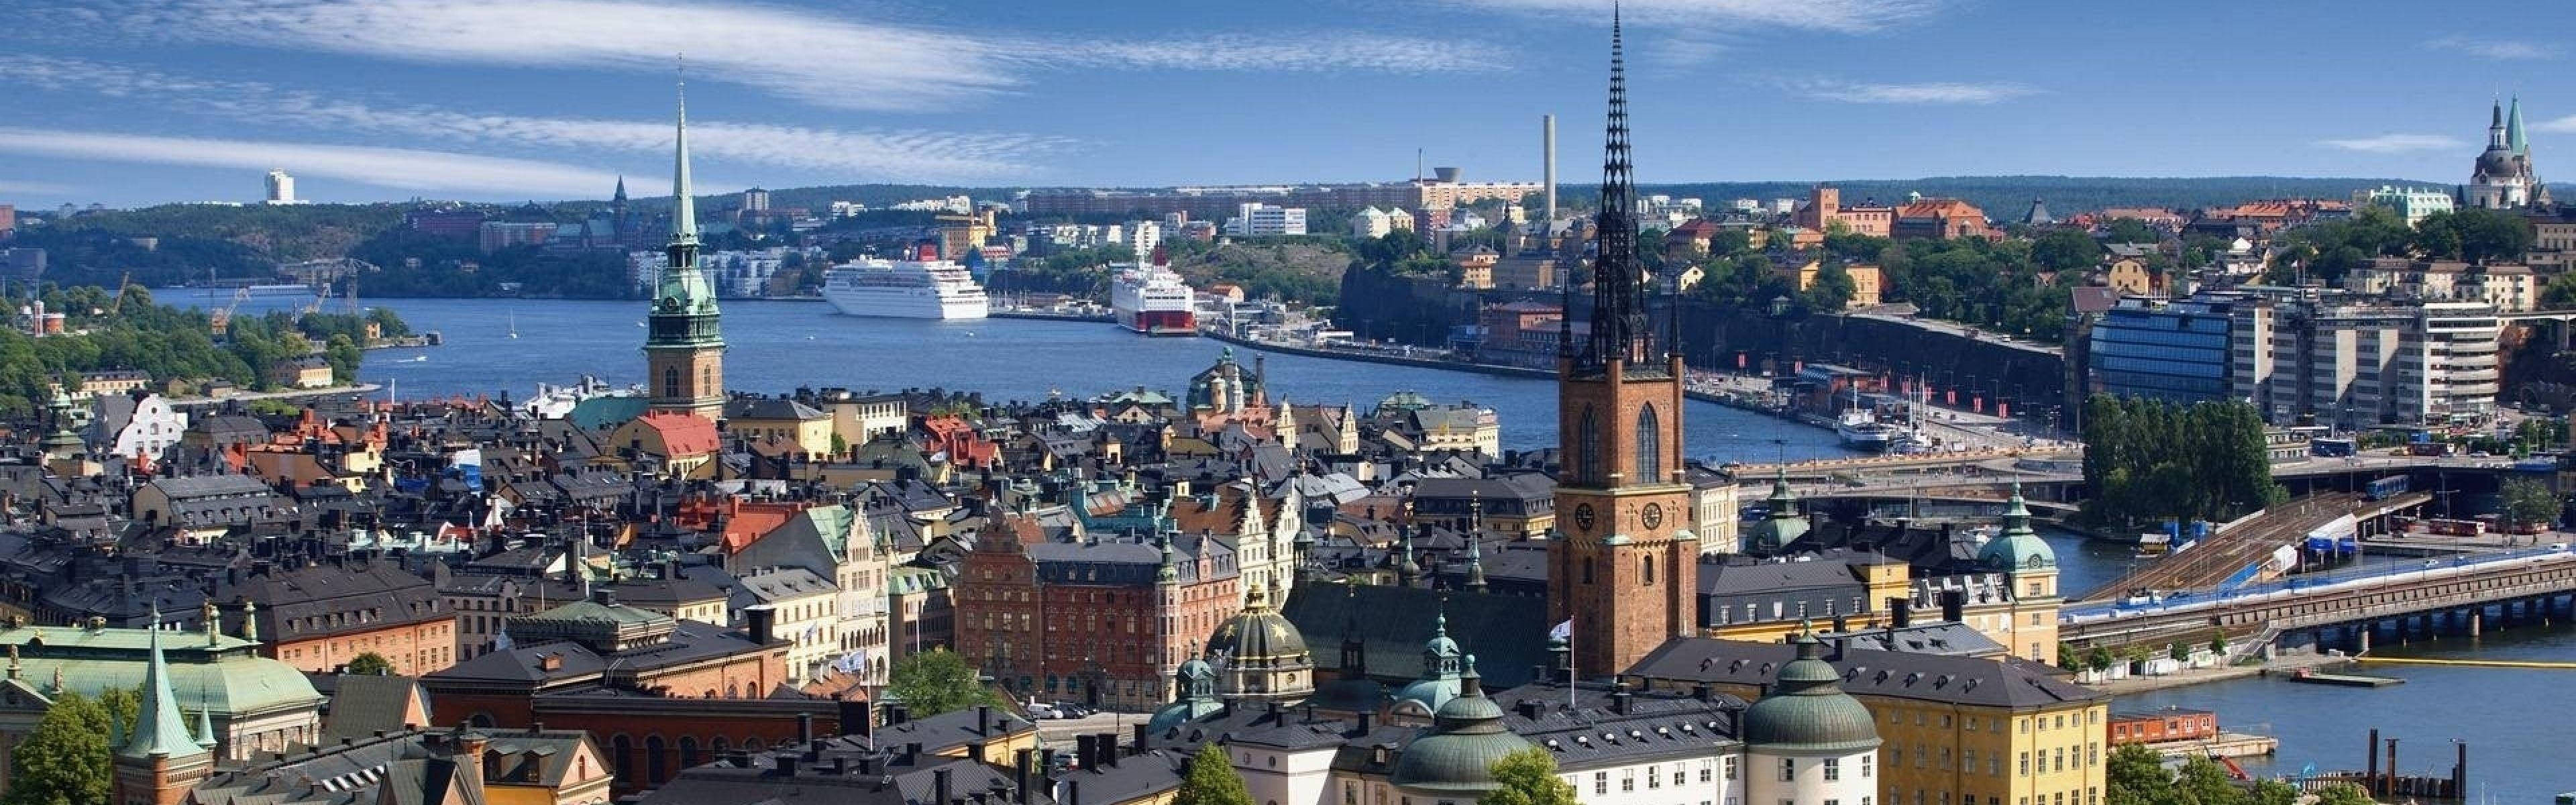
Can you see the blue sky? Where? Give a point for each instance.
(130, 102)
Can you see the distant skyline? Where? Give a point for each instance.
(127, 103)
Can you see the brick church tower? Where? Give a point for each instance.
(684, 347)
(1623, 566)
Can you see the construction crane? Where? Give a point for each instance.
(222, 319)
(121, 284)
(320, 296)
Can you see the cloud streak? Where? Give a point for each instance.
(1845, 16)
(429, 171)
(2562, 125)
(864, 154)
(2495, 49)
(818, 59)
(2396, 143)
(1929, 93)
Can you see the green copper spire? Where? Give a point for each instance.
(2513, 130)
(160, 730)
(684, 305)
(684, 209)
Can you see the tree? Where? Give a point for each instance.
(2203, 782)
(65, 760)
(2136, 775)
(2218, 642)
(1833, 288)
(2527, 501)
(937, 681)
(2067, 249)
(1528, 777)
(369, 664)
(2473, 234)
(2131, 230)
(1211, 780)
(2178, 652)
(2275, 792)
(2342, 794)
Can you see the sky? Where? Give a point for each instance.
(135, 102)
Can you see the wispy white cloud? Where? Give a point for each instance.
(2396, 143)
(405, 169)
(837, 61)
(1849, 16)
(862, 154)
(1936, 92)
(2563, 124)
(2497, 49)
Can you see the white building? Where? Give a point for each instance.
(1256, 220)
(133, 425)
(2503, 177)
(281, 188)
(2413, 204)
(806, 612)
(2357, 365)
(1144, 237)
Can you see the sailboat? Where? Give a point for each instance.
(514, 324)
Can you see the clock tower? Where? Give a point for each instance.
(684, 347)
(1623, 565)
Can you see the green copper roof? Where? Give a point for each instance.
(228, 678)
(1808, 710)
(2018, 546)
(1456, 756)
(683, 289)
(159, 730)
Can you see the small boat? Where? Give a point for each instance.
(514, 324)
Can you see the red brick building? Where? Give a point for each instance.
(1103, 619)
(2158, 726)
(1941, 219)
(657, 694)
(317, 615)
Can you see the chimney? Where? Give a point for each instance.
(854, 717)
(469, 752)
(787, 766)
(761, 620)
(1547, 164)
(912, 753)
(1073, 792)
(984, 719)
(1140, 737)
(1082, 751)
(1620, 697)
(939, 785)
(1020, 776)
(1954, 604)
(1108, 746)
(1703, 692)
(975, 751)
(1900, 612)
(804, 727)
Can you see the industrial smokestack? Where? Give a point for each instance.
(1547, 164)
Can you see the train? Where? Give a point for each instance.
(2192, 600)
(2385, 488)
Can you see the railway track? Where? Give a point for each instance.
(2222, 555)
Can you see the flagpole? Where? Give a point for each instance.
(1569, 658)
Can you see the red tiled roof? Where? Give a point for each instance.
(684, 434)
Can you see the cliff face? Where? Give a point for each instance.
(1380, 304)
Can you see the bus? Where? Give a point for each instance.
(2331, 448)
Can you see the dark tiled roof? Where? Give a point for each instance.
(1901, 675)
(1508, 634)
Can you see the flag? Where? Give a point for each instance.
(1563, 631)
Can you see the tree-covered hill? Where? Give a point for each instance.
(2006, 198)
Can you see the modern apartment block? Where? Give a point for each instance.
(2303, 357)
(2175, 350)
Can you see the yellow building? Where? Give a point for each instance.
(1957, 730)
(754, 419)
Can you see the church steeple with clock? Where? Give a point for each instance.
(1623, 565)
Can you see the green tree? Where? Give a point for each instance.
(344, 357)
(2203, 782)
(2067, 249)
(369, 664)
(2131, 230)
(2178, 652)
(65, 760)
(1212, 780)
(2274, 792)
(2135, 775)
(2474, 234)
(2527, 501)
(2342, 794)
(1528, 777)
(1832, 290)
(937, 681)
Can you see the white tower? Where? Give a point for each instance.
(281, 187)
(1808, 742)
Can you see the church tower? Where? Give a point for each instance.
(159, 761)
(684, 347)
(1623, 566)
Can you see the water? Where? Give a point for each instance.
(2515, 720)
(777, 346)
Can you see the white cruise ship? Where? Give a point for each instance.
(1153, 300)
(905, 289)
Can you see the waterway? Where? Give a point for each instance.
(2517, 719)
(777, 346)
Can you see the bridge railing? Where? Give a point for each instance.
(2196, 598)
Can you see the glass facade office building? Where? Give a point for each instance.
(2176, 351)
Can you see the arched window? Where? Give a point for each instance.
(1650, 446)
(720, 745)
(1587, 570)
(621, 752)
(688, 751)
(1646, 566)
(751, 744)
(656, 765)
(670, 381)
(706, 380)
(1588, 443)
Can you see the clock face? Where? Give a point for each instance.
(1583, 516)
(1653, 516)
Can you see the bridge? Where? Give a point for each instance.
(2408, 596)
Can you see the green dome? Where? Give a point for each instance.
(1456, 756)
(1258, 633)
(1441, 662)
(1781, 525)
(2018, 547)
(1181, 712)
(1807, 709)
(1196, 680)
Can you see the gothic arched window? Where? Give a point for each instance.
(1647, 567)
(1588, 443)
(1650, 446)
(1587, 570)
(670, 381)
